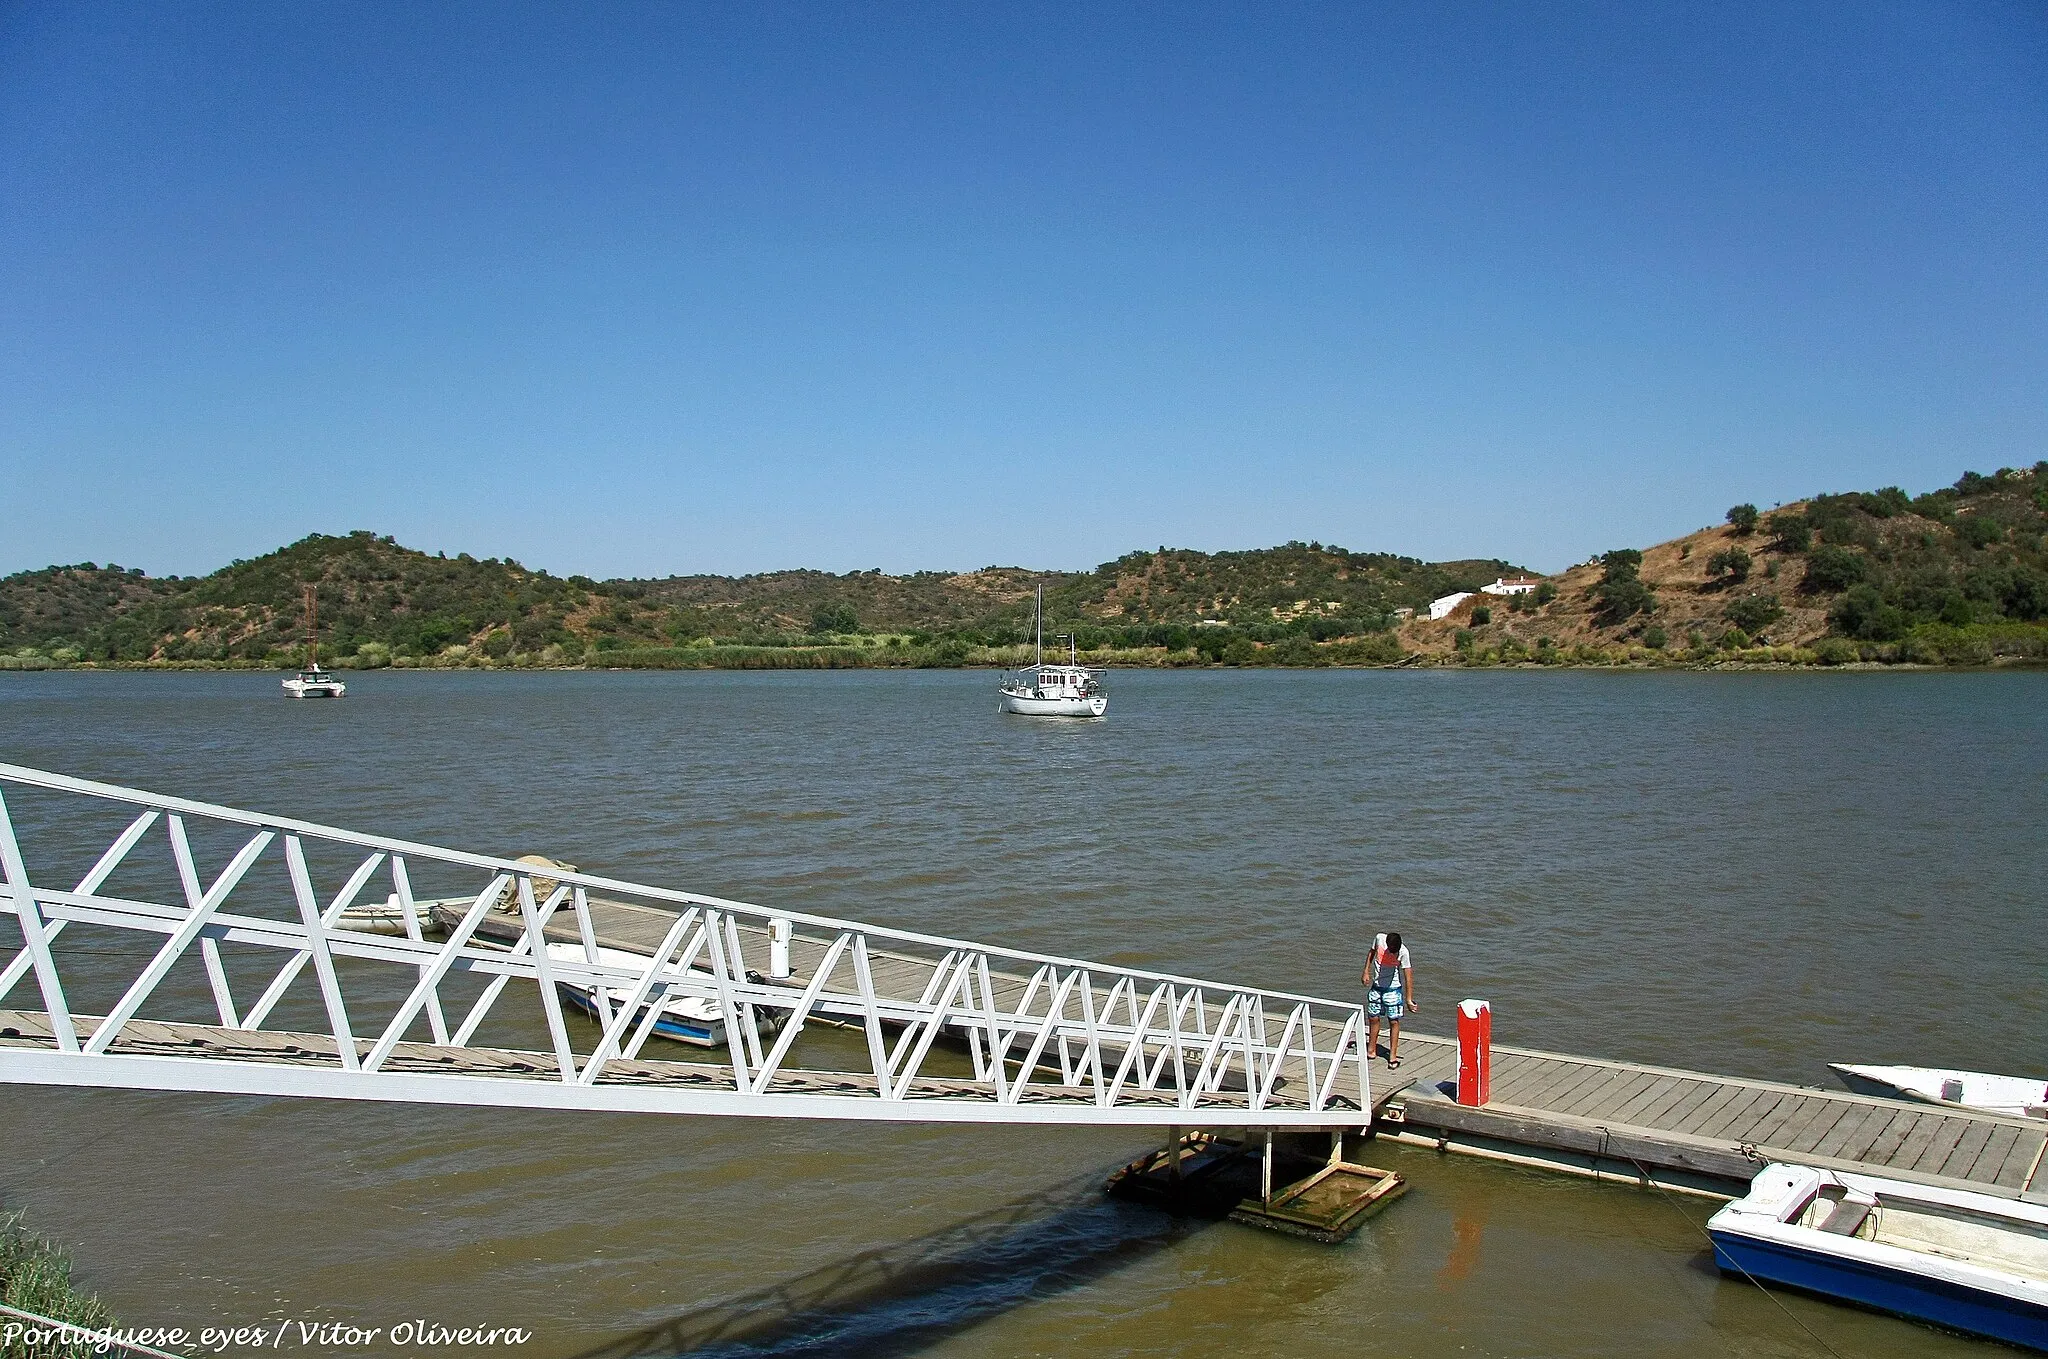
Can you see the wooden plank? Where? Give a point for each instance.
(1882, 1137)
(1666, 1112)
(1936, 1138)
(2020, 1159)
(1991, 1159)
(1791, 1126)
(1578, 1086)
(1550, 1083)
(1604, 1107)
(1521, 1073)
(1619, 1144)
(1723, 1097)
(1815, 1118)
(1595, 1091)
(1851, 1130)
(1920, 1135)
(1768, 1116)
(1735, 1114)
(1680, 1116)
(1645, 1111)
(1887, 1147)
(1964, 1154)
(1629, 1110)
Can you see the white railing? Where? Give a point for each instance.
(175, 957)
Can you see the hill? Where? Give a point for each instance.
(381, 603)
(1957, 575)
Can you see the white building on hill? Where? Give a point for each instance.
(1520, 585)
(1441, 608)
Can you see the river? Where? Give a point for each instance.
(1749, 873)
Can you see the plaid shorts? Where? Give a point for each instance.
(1391, 1003)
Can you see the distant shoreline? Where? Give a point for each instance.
(1755, 659)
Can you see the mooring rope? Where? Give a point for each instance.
(1776, 1301)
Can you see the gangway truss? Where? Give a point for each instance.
(260, 978)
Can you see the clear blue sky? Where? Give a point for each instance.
(648, 288)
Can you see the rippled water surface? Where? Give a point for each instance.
(1751, 873)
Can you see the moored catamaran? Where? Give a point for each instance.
(313, 682)
(1041, 690)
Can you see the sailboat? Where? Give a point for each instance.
(313, 682)
(1041, 690)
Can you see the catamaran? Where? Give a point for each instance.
(313, 682)
(1041, 690)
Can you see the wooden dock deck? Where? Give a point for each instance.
(1590, 1111)
(1574, 1113)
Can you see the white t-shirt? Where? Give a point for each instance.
(1379, 946)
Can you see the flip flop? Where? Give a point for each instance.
(1393, 1063)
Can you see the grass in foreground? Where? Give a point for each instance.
(35, 1276)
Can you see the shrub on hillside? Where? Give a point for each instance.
(1742, 518)
(1621, 592)
(1790, 532)
(1832, 568)
(1732, 562)
(1753, 613)
(1862, 613)
(1481, 616)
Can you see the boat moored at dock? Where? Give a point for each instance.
(2013, 1096)
(1954, 1257)
(697, 1020)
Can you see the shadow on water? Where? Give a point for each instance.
(899, 1298)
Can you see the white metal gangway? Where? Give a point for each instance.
(154, 974)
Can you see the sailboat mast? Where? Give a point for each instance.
(1038, 617)
(313, 625)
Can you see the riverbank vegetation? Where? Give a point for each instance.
(35, 1276)
(1956, 576)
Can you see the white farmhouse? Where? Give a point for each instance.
(1441, 608)
(1519, 585)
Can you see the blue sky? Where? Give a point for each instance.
(641, 289)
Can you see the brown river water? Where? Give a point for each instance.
(1746, 873)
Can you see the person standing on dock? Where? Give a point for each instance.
(1389, 994)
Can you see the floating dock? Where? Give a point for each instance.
(1586, 1115)
(1700, 1131)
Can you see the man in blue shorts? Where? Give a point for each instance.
(1390, 993)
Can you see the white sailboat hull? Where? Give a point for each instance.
(1028, 705)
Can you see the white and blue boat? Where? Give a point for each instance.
(694, 1019)
(1972, 1262)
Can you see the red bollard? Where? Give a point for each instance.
(1475, 1052)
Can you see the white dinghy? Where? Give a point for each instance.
(2014, 1096)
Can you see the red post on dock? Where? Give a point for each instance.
(1475, 1052)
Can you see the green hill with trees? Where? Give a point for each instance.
(1955, 575)
(380, 603)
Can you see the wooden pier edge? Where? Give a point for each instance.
(1427, 1115)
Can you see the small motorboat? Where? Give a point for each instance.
(696, 1020)
(1971, 1261)
(1041, 690)
(2014, 1096)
